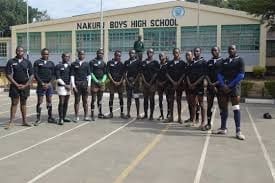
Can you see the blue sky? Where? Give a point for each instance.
(67, 8)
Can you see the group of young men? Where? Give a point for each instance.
(217, 77)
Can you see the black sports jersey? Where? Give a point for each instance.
(231, 67)
(149, 69)
(213, 67)
(62, 71)
(80, 71)
(176, 69)
(116, 70)
(98, 68)
(196, 69)
(132, 68)
(20, 71)
(44, 71)
(162, 73)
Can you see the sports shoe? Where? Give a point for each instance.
(51, 120)
(109, 116)
(87, 119)
(100, 116)
(67, 120)
(60, 122)
(37, 122)
(26, 124)
(221, 131)
(76, 119)
(240, 136)
(123, 116)
(187, 121)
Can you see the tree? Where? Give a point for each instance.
(260, 8)
(14, 12)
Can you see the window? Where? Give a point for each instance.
(122, 39)
(34, 41)
(245, 37)
(206, 38)
(89, 41)
(59, 42)
(3, 49)
(270, 48)
(160, 39)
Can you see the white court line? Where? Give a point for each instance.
(3, 112)
(265, 152)
(204, 151)
(27, 128)
(78, 153)
(46, 140)
(19, 112)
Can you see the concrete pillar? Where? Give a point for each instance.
(178, 37)
(73, 54)
(263, 36)
(219, 36)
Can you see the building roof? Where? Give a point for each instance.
(143, 8)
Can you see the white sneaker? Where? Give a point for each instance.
(221, 131)
(240, 136)
(76, 119)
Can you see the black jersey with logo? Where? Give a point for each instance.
(116, 70)
(132, 68)
(231, 67)
(176, 69)
(44, 71)
(20, 71)
(213, 67)
(98, 68)
(80, 70)
(196, 69)
(149, 69)
(62, 71)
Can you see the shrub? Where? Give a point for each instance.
(259, 71)
(270, 86)
(245, 87)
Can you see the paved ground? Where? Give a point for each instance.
(136, 151)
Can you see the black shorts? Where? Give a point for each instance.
(82, 88)
(198, 91)
(212, 91)
(235, 92)
(113, 88)
(147, 91)
(14, 92)
(95, 87)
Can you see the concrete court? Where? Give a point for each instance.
(134, 151)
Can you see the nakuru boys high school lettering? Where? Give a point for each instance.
(162, 26)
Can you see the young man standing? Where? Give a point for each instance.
(213, 67)
(150, 69)
(162, 83)
(62, 71)
(132, 75)
(81, 82)
(44, 73)
(196, 73)
(229, 77)
(115, 72)
(139, 48)
(175, 73)
(19, 72)
(99, 76)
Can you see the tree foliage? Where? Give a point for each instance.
(14, 12)
(260, 8)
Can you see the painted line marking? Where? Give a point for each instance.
(78, 153)
(204, 151)
(265, 152)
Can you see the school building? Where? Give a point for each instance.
(163, 26)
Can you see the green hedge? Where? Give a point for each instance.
(245, 87)
(270, 86)
(259, 71)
